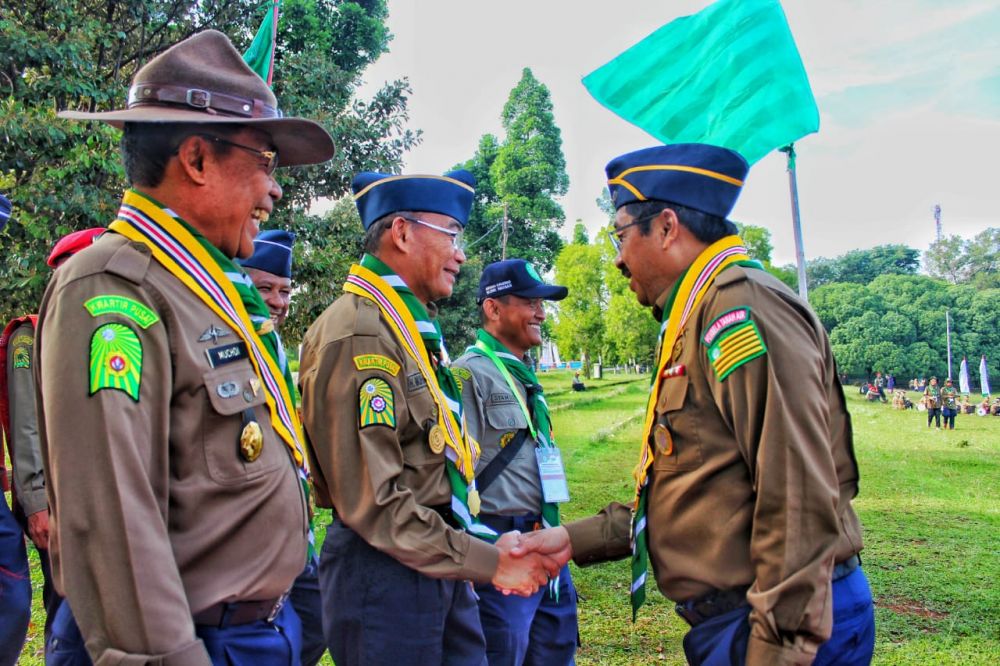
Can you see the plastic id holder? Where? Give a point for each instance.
(552, 474)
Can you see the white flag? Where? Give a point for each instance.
(963, 378)
(984, 378)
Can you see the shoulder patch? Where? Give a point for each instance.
(461, 373)
(376, 362)
(115, 360)
(124, 306)
(737, 345)
(726, 320)
(376, 404)
(21, 346)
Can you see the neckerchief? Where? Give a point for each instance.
(228, 291)
(408, 319)
(684, 301)
(539, 421)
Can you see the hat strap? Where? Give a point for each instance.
(211, 102)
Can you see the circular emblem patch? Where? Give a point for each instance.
(378, 404)
(117, 364)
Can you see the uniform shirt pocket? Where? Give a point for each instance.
(505, 417)
(232, 389)
(414, 433)
(675, 412)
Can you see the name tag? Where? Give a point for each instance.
(552, 474)
(224, 354)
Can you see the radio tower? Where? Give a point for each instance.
(937, 220)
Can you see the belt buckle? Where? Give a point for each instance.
(199, 99)
(278, 605)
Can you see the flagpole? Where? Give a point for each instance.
(947, 328)
(800, 255)
(274, 43)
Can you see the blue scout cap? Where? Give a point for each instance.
(4, 210)
(378, 194)
(272, 252)
(517, 277)
(696, 175)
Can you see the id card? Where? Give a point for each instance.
(552, 474)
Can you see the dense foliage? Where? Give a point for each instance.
(63, 176)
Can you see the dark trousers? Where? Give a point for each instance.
(378, 612)
(539, 630)
(935, 414)
(276, 643)
(722, 640)
(15, 587)
(50, 598)
(305, 599)
(949, 417)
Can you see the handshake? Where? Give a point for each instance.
(528, 561)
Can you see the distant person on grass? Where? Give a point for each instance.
(949, 404)
(743, 505)
(578, 384)
(932, 401)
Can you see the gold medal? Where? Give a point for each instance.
(474, 501)
(435, 438)
(266, 327)
(664, 442)
(251, 441)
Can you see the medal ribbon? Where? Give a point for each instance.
(687, 298)
(461, 451)
(188, 258)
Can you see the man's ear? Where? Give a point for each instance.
(191, 158)
(671, 226)
(400, 235)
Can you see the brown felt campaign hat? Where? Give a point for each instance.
(203, 79)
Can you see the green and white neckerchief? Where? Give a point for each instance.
(420, 336)
(209, 274)
(683, 302)
(536, 414)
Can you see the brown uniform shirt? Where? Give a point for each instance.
(26, 455)
(757, 490)
(155, 514)
(381, 480)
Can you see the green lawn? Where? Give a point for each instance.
(929, 502)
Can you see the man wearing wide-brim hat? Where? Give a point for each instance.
(179, 514)
(743, 503)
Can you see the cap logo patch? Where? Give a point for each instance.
(532, 272)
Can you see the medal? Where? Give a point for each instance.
(251, 441)
(664, 442)
(266, 327)
(473, 501)
(435, 438)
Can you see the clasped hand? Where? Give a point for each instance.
(528, 561)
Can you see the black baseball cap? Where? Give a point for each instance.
(517, 277)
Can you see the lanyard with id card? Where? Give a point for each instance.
(550, 466)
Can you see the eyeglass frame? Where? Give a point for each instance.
(270, 155)
(615, 232)
(457, 242)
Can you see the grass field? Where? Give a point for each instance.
(929, 503)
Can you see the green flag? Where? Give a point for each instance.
(260, 54)
(729, 75)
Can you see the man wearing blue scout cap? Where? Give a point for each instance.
(388, 444)
(509, 417)
(743, 504)
(270, 268)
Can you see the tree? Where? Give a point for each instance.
(59, 54)
(757, 241)
(975, 261)
(863, 266)
(579, 327)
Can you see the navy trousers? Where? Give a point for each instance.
(378, 612)
(534, 631)
(305, 599)
(277, 643)
(15, 587)
(722, 640)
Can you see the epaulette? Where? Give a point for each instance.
(130, 261)
(367, 319)
(731, 275)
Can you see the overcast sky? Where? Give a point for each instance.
(908, 93)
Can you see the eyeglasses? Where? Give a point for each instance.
(270, 156)
(457, 237)
(615, 234)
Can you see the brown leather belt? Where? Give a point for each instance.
(233, 613)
